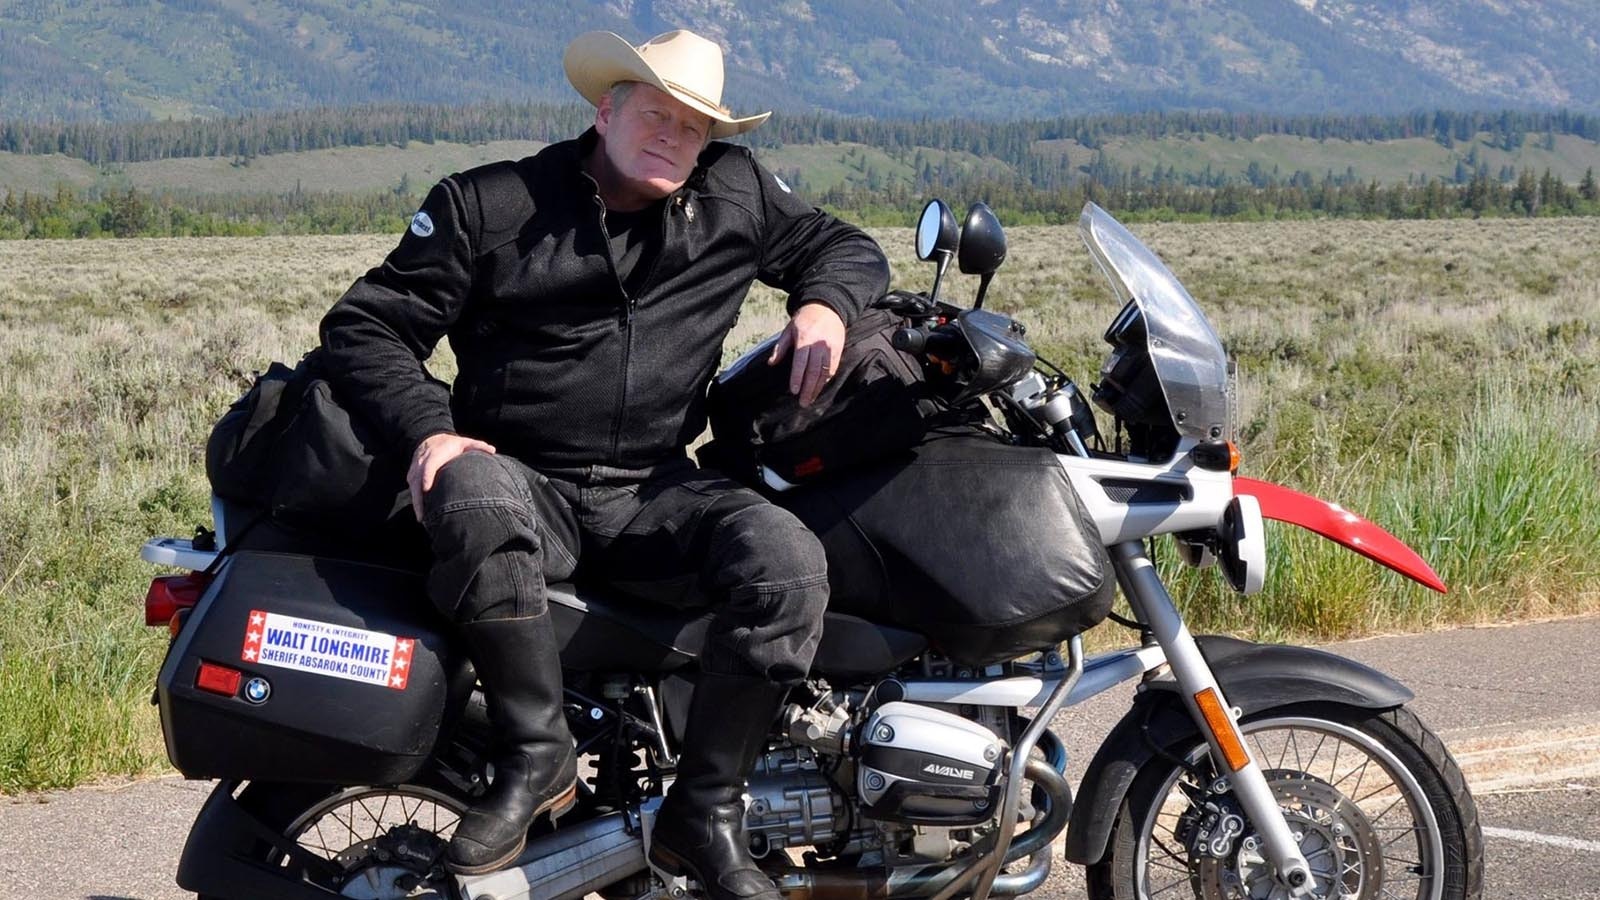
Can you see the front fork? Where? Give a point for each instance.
(1153, 606)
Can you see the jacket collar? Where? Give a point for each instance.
(572, 153)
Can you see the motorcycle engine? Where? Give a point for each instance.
(927, 767)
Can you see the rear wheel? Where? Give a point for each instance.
(374, 843)
(1378, 805)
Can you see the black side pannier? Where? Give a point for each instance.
(876, 404)
(982, 546)
(289, 448)
(345, 676)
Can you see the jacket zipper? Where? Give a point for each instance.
(625, 323)
(629, 304)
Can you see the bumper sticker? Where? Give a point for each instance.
(322, 648)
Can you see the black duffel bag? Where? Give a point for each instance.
(982, 546)
(288, 448)
(877, 404)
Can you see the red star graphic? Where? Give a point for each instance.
(252, 638)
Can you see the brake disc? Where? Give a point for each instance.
(1337, 839)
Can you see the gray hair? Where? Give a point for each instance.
(619, 92)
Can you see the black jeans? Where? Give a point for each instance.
(671, 534)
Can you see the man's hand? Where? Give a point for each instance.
(816, 335)
(430, 456)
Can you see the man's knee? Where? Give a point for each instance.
(473, 480)
(764, 547)
(482, 529)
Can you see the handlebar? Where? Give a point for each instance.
(918, 341)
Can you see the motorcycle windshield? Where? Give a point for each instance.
(1184, 351)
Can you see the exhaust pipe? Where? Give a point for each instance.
(568, 864)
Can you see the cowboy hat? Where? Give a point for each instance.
(681, 63)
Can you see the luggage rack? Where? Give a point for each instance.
(180, 552)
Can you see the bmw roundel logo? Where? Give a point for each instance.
(257, 690)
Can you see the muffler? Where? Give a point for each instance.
(568, 864)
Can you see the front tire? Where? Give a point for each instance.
(1379, 806)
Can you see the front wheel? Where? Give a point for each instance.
(1378, 805)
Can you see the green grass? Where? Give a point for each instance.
(1387, 162)
(337, 170)
(1441, 378)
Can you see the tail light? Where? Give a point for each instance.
(170, 594)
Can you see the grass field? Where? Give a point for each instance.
(1441, 377)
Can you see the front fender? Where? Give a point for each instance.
(1255, 678)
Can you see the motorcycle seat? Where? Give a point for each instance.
(599, 628)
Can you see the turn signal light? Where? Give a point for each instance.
(1222, 727)
(1216, 456)
(218, 679)
(170, 593)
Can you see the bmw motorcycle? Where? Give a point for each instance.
(343, 724)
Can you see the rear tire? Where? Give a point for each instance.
(1381, 808)
(341, 824)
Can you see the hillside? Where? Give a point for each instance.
(834, 165)
(98, 60)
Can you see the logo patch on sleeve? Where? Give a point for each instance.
(421, 224)
(322, 648)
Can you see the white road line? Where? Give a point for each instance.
(1534, 837)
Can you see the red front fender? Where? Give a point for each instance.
(1341, 526)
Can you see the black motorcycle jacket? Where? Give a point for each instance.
(558, 364)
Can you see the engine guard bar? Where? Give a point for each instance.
(986, 867)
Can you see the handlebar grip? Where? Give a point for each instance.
(946, 346)
(908, 340)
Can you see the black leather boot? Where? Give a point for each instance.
(535, 768)
(700, 829)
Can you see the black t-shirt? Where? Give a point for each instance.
(635, 239)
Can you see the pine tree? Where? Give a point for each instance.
(1588, 190)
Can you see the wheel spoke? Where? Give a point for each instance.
(1363, 805)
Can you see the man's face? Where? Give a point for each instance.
(651, 140)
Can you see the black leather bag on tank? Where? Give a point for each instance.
(982, 546)
(876, 405)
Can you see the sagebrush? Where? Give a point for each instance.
(1441, 377)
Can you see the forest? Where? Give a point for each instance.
(1035, 182)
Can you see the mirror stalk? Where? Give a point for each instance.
(983, 288)
(938, 274)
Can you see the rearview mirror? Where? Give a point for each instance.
(983, 247)
(936, 231)
(983, 241)
(937, 238)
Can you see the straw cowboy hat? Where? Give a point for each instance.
(681, 63)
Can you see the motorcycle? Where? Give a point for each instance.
(345, 728)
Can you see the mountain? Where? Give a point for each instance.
(99, 60)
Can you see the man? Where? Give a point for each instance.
(586, 292)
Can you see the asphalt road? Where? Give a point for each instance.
(1519, 706)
